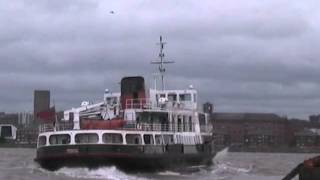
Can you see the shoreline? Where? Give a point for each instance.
(287, 150)
(33, 146)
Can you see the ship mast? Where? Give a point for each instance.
(161, 62)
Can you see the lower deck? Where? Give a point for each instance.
(121, 137)
(125, 157)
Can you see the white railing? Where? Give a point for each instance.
(46, 128)
(129, 126)
(160, 127)
(146, 103)
(140, 103)
(49, 127)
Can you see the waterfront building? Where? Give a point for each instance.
(251, 130)
(307, 138)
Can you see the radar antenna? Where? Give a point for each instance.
(161, 62)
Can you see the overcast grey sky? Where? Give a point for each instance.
(242, 55)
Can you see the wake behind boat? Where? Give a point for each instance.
(135, 129)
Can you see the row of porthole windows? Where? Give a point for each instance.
(115, 138)
(108, 138)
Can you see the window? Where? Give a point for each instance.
(190, 123)
(179, 124)
(202, 119)
(59, 139)
(185, 97)
(184, 123)
(148, 139)
(71, 116)
(168, 139)
(42, 141)
(86, 138)
(112, 138)
(6, 131)
(133, 139)
(158, 139)
(172, 97)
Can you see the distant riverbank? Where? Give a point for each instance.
(274, 149)
(9, 145)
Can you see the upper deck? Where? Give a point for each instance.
(147, 127)
(169, 110)
(157, 99)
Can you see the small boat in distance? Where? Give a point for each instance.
(135, 130)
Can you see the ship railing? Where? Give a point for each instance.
(146, 103)
(139, 103)
(164, 127)
(61, 126)
(46, 128)
(160, 127)
(180, 105)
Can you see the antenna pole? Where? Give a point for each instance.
(162, 62)
(161, 68)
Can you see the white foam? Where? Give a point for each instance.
(255, 177)
(169, 173)
(110, 173)
(220, 155)
(228, 168)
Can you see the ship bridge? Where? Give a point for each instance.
(181, 99)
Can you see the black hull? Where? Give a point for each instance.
(127, 158)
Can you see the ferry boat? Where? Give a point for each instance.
(135, 130)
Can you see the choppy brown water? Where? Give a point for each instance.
(18, 164)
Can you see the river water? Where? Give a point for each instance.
(17, 164)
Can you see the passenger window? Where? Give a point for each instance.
(133, 139)
(59, 139)
(86, 138)
(172, 97)
(168, 139)
(42, 141)
(190, 123)
(112, 138)
(158, 139)
(185, 97)
(148, 139)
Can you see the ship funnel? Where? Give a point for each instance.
(132, 91)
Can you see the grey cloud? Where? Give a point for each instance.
(248, 56)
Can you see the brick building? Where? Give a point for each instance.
(249, 129)
(264, 132)
(308, 138)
